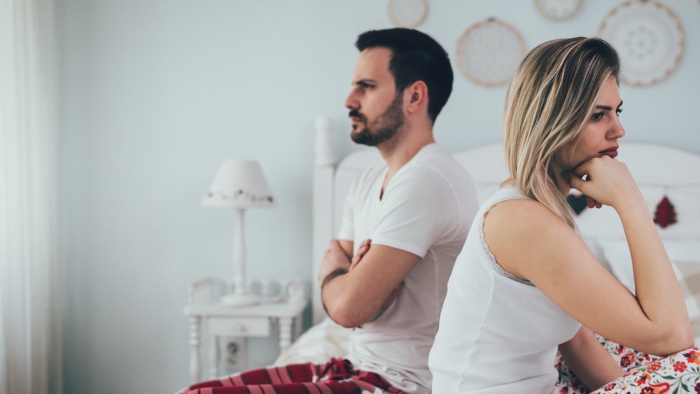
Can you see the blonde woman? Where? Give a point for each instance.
(525, 284)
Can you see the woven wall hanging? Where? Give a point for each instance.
(649, 39)
(489, 52)
(407, 13)
(558, 10)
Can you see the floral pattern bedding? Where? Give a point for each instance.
(644, 374)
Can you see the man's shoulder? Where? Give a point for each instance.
(442, 165)
(443, 175)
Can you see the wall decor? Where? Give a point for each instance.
(649, 39)
(407, 13)
(558, 10)
(490, 51)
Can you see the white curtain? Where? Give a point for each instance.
(30, 359)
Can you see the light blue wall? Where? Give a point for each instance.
(156, 93)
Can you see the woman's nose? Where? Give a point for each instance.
(617, 130)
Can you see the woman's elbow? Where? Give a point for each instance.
(674, 340)
(684, 339)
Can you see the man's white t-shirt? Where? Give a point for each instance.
(426, 209)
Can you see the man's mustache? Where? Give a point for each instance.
(356, 114)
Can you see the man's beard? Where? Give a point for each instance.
(387, 124)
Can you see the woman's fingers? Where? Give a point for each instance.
(593, 203)
(607, 181)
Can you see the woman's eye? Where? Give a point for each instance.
(597, 116)
(619, 111)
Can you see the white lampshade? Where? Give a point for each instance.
(239, 184)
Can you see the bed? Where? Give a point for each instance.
(668, 178)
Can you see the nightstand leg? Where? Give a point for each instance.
(195, 361)
(297, 327)
(214, 357)
(285, 333)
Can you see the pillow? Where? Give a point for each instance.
(317, 345)
(605, 223)
(689, 278)
(685, 258)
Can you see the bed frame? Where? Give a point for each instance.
(659, 171)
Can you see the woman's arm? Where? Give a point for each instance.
(531, 242)
(589, 360)
(657, 290)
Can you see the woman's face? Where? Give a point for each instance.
(600, 134)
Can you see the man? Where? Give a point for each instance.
(416, 209)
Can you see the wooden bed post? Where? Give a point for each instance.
(324, 142)
(322, 205)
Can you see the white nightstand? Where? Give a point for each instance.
(284, 307)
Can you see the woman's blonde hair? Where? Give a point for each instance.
(550, 99)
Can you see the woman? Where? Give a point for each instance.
(525, 283)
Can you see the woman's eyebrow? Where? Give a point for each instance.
(607, 107)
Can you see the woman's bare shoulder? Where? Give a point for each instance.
(522, 209)
(520, 230)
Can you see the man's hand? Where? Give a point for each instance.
(334, 259)
(364, 248)
(361, 251)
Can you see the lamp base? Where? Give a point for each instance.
(240, 299)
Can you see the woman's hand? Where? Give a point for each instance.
(608, 182)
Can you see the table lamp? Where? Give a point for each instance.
(239, 184)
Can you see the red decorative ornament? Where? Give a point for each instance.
(665, 214)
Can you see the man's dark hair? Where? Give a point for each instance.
(415, 57)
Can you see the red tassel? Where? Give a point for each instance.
(665, 214)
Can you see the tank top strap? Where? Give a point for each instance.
(505, 193)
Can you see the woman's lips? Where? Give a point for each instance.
(610, 152)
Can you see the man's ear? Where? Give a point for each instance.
(416, 97)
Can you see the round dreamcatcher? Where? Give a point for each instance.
(489, 52)
(407, 13)
(649, 39)
(558, 10)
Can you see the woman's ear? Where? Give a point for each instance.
(416, 97)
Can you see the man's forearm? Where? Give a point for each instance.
(332, 275)
(336, 300)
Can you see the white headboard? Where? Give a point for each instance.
(659, 171)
